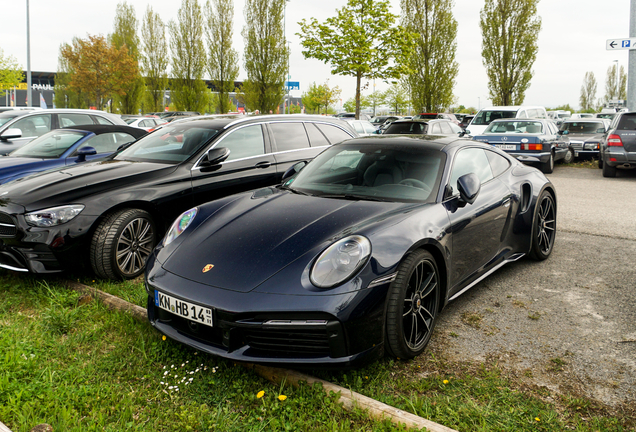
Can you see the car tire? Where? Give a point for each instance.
(609, 171)
(543, 227)
(121, 244)
(600, 162)
(547, 167)
(569, 157)
(413, 303)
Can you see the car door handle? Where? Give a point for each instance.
(263, 165)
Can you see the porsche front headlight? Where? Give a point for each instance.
(340, 261)
(53, 216)
(180, 225)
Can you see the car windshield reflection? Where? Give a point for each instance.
(367, 172)
(49, 146)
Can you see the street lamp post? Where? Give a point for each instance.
(618, 82)
(28, 98)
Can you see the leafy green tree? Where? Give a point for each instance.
(396, 97)
(188, 90)
(360, 41)
(222, 58)
(125, 34)
(65, 95)
(588, 92)
(510, 30)
(374, 99)
(266, 54)
(612, 90)
(320, 97)
(154, 60)
(10, 72)
(432, 59)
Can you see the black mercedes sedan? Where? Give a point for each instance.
(354, 255)
(111, 212)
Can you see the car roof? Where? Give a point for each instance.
(432, 142)
(584, 120)
(221, 121)
(100, 129)
(14, 113)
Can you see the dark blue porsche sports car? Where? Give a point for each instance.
(62, 147)
(353, 256)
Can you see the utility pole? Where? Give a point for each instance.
(631, 66)
(28, 98)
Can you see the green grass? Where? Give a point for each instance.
(80, 367)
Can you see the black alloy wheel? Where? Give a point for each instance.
(122, 243)
(544, 227)
(413, 302)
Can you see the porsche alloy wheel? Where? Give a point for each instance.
(122, 243)
(413, 304)
(544, 228)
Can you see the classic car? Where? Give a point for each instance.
(585, 135)
(354, 255)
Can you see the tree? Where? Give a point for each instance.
(433, 56)
(98, 68)
(376, 98)
(360, 41)
(188, 90)
(10, 73)
(396, 97)
(65, 95)
(510, 29)
(154, 59)
(320, 96)
(222, 58)
(266, 54)
(612, 90)
(588, 92)
(125, 34)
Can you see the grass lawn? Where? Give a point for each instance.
(68, 361)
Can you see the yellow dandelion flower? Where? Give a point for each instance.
(260, 394)
(445, 381)
(163, 337)
(537, 419)
(282, 397)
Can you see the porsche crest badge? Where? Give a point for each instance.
(207, 268)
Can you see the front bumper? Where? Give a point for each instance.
(339, 330)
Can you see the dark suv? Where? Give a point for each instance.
(618, 146)
(111, 212)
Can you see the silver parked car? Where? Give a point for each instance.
(20, 127)
(585, 135)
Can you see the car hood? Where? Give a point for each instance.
(74, 183)
(250, 239)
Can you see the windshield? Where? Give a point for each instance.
(371, 172)
(515, 126)
(425, 116)
(8, 117)
(130, 120)
(51, 145)
(583, 127)
(171, 144)
(485, 117)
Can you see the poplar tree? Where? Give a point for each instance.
(125, 34)
(222, 58)
(360, 41)
(432, 58)
(612, 90)
(588, 92)
(154, 59)
(266, 54)
(510, 30)
(189, 91)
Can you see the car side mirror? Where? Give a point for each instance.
(85, 151)
(468, 186)
(294, 169)
(11, 133)
(215, 156)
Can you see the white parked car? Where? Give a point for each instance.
(485, 116)
(146, 123)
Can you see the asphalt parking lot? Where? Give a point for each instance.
(568, 323)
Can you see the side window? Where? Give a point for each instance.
(316, 138)
(368, 128)
(244, 142)
(470, 160)
(498, 163)
(289, 136)
(67, 120)
(108, 142)
(456, 129)
(522, 114)
(334, 134)
(101, 120)
(446, 129)
(435, 129)
(34, 126)
(358, 128)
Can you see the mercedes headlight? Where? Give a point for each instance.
(340, 261)
(180, 225)
(53, 216)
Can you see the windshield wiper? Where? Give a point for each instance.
(296, 191)
(353, 197)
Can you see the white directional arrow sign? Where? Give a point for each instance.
(620, 44)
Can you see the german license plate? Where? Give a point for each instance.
(506, 146)
(191, 311)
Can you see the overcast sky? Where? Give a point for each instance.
(571, 42)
